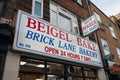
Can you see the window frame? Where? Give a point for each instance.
(33, 8)
(101, 25)
(66, 17)
(112, 31)
(105, 48)
(79, 71)
(59, 10)
(118, 51)
(98, 17)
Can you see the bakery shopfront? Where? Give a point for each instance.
(50, 53)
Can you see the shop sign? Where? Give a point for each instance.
(90, 25)
(114, 66)
(37, 36)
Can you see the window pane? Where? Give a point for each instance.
(55, 77)
(31, 65)
(105, 46)
(104, 43)
(53, 17)
(75, 28)
(98, 17)
(90, 73)
(31, 69)
(106, 51)
(113, 34)
(29, 76)
(37, 9)
(79, 2)
(55, 68)
(118, 51)
(64, 23)
(63, 18)
(112, 31)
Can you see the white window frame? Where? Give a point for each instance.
(54, 8)
(105, 46)
(98, 17)
(60, 10)
(79, 2)
(118, 51)
(112, 31)
(33, 7)
(99, 20)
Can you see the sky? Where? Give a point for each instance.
(109, 7)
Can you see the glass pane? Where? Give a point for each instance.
(55, 68)
(79, 2)
(37, 9)
(74, 18)
(75, 28)
(104, 43)
(106, 51)
(28, 76)
(112, 31)
(105, 46)
(31, 69)
(113, 34)
(31, 65)
(53, 17)
(64, 23)
(89, 73)
(118, 51)
(54, 77)
(98, 17)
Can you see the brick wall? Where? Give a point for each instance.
(74, 7)
(106, 34)
(12, 6)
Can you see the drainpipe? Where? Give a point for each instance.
(89, 9)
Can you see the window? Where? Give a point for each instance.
(112, 31)
(37, 8)
(98, 17)
(105, 46)
(118, 51)
(32, 68)
(90, 74)
(79, 2)
(63, 18)
(99, 20)
(64, 21)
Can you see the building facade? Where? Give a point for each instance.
(39, 29)
(109, 42)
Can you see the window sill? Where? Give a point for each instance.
(114, 38)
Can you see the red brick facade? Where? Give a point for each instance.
(106, 34)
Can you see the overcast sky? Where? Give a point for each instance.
(109, 7)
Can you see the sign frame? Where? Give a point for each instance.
(90, 25)
(23, 41)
